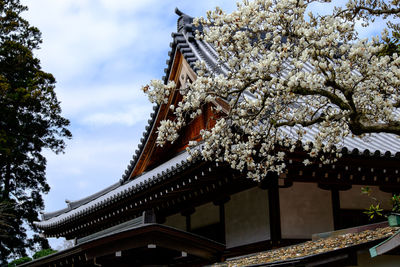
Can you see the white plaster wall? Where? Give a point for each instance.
(305, 210)
(205, 215)
(353, 199)
(177, 221)
(247, 218)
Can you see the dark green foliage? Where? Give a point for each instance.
(43, 252)
(375, 209)
(6, 215)
(392, 45)
(19, 261)
(30, 120)
(395, 203)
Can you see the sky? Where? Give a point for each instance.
(102, 52)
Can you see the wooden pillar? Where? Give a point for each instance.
(274, 213)
(271, 183)
(335, 197)
(336, 209)
(221, 231)
(188, 223)
(187, 213)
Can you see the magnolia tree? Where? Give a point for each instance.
(283, 71)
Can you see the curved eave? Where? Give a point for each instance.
(74, 204)
(150, 178)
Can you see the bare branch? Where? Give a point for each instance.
(362, 128)
(332, 97)
(306, 123)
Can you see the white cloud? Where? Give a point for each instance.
(129, 116)
(82, 184)
(373, 29)
(76, 35)
(128, 5)
(94, 159)
(80, 100)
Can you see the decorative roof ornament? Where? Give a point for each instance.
(184, 22)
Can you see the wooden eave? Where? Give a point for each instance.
(184, 190)
(205, 181)
(350, 169)
(201, 183)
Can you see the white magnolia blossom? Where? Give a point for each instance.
(287, 71)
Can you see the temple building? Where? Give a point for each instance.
(167, 210)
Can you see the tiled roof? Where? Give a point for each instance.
(382, 144)
(154, 176)
(74, 204)
(139, 221)
(309, 249)
(377, 144)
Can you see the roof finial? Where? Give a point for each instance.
(183, 20)
(178, 12)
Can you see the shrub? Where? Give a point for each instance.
(19, 261)
(43, 252)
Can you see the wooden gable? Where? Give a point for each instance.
(152, 155)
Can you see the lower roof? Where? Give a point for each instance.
(143, 237)
(323, 249)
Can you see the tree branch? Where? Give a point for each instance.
(378, 11)
(310, 122)
(358, 127)
(332, 97)
(355, 11)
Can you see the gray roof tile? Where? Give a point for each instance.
(193, 50)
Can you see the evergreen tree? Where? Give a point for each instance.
(30, 121)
